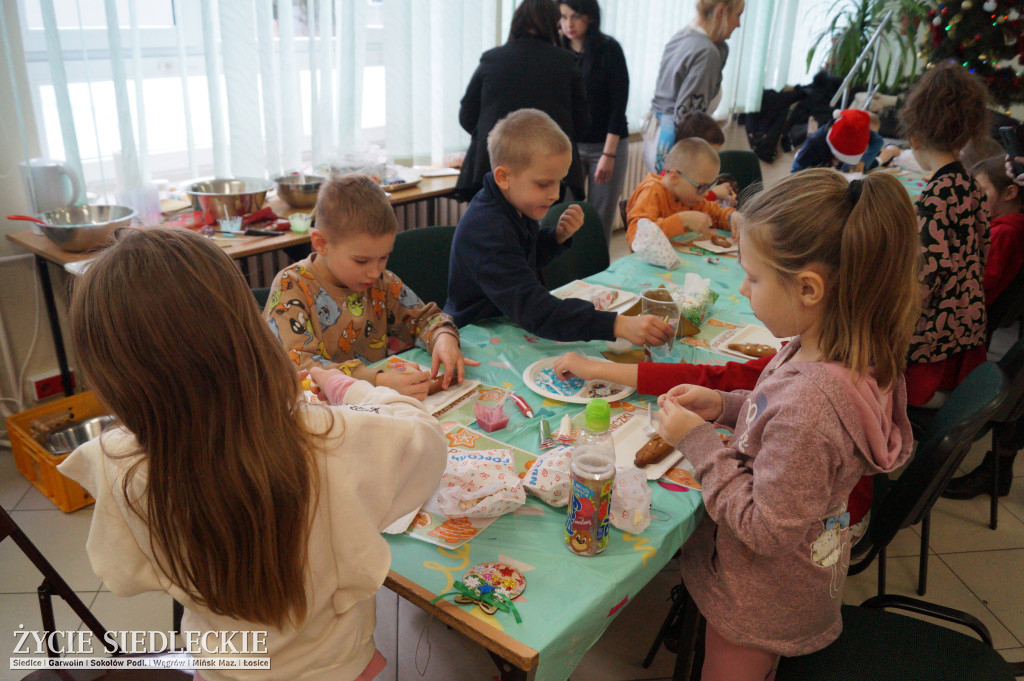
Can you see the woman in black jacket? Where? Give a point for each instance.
(528, 71)
(602, 145)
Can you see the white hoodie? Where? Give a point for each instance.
(381, 459)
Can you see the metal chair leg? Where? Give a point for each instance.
(881, 571)
(677, 604)
(993, 493)
(922, 572)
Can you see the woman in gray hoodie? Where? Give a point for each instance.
(690, 75)
(766, 566)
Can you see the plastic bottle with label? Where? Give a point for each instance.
(593, 474)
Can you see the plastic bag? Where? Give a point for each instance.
(631, 500)
(549, 478)
(480, 484)
(652, 246)
(695, 300)
(368, 160)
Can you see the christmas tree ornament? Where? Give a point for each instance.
(989, 6)
(967, 4)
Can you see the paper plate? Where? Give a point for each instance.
(539, 377)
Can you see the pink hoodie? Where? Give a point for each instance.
(767, 564)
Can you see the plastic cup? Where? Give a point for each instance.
(230, 224)
(490, 412)
(659, 302)
(300, 222)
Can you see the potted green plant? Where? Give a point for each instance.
(850, 27)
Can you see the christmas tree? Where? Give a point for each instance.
(982, 35)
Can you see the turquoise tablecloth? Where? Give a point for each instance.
(584, 592)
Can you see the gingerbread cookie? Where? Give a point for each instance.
(653, 451)
(721, 241)
(752, 349)
(436, 384)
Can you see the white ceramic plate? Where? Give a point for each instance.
(751, 333)
(535, 381)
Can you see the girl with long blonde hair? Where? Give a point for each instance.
(221, 486)
(834, 265)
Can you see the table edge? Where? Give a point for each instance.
(498, 642)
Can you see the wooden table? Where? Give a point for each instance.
(46, 252)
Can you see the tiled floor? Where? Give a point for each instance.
(971, 568)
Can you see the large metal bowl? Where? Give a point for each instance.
(83, 228)
(226, 197)
(77, 434)
(299, 191)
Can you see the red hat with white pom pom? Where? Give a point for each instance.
(849, 134)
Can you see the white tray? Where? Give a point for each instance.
(751, 333)
(581, 396)
(585, 291)
(630, 437)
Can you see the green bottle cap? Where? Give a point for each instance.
(599, 414)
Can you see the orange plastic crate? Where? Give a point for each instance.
(28, 430)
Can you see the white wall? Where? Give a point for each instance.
(18, 306)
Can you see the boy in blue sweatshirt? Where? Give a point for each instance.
(499, 247)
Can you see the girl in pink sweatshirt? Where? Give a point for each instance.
(766, 565)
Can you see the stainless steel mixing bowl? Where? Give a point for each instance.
(299, 191)
(69, 439)
(83, 228)
(226, 197)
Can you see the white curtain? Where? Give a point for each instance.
(261, 99)
(431, 48)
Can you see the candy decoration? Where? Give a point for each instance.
(492, 586)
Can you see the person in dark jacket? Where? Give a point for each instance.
(602, 146)
(499, 249)
(528, 71)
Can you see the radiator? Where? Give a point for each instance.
(445, 211)
(636, 171)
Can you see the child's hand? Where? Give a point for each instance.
(569, 223)
(674, 422)
(695, 221)
(888, 153)
(724, 191)
(447, 351)
(574, 364)
(410, 383)
(704, 402)
(645, 329)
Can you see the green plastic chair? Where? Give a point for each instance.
(588, 254)
(420, 259)
(262, 295)
(745, 166)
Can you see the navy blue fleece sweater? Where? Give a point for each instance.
(495, 268)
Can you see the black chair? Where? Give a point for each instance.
(885, 646)
(745, 166)
(1007, 427)
(942, 447)
(420, 259)
(901, 503)
(588, 254)
(54, 584)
